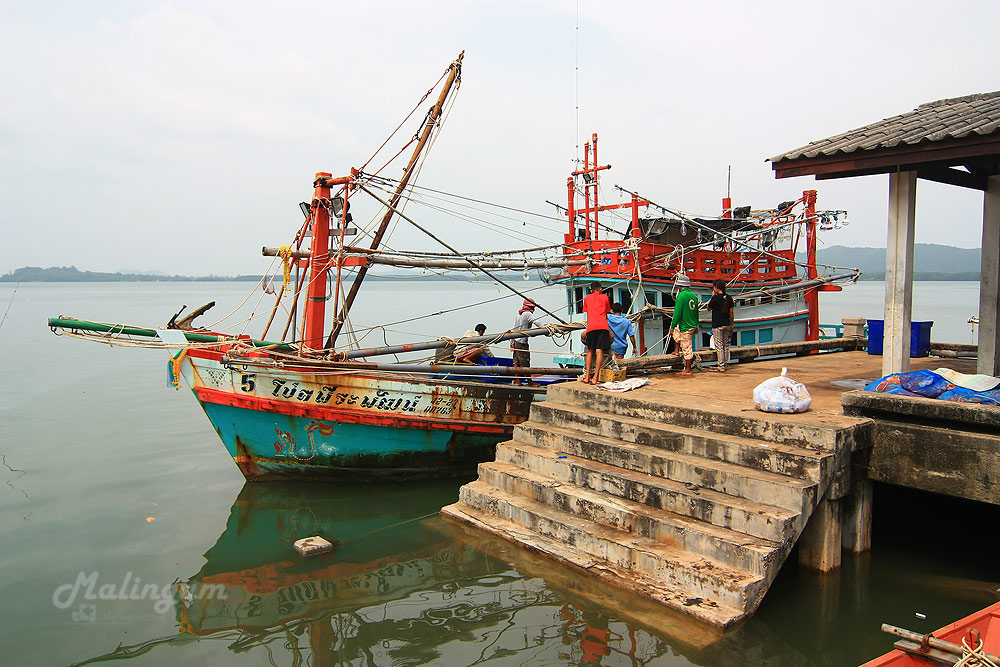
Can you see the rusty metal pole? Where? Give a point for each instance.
(812, 295)
(432, 117)
(319, 263)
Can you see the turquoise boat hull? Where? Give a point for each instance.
(285, 423)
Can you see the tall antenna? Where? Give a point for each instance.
(729, 182)
(577, 136)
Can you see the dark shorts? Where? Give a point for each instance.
(522, 356)
(598, 339)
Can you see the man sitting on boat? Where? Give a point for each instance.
(473, 353)
(684, 323)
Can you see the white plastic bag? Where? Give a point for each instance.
(781, 394)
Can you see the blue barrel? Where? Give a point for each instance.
(920, 337)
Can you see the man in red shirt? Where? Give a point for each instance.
(597, 305)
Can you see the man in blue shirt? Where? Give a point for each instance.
(622, 330)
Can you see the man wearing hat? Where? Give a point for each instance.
(519, 346)
(684, 324)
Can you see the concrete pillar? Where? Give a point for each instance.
(819, 545)
(989, 292)
(856, 519)
(899, 272)
(854, 327)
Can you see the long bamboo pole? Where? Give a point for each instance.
(429, 123)
(71, 324)
(438, 344)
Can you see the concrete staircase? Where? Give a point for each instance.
(693, 503)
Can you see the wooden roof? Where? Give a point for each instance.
(955, 140)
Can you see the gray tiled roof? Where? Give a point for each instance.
(952, 118)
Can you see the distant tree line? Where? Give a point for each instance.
(71, 274)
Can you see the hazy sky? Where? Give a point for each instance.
(180, 136)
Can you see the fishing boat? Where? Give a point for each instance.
(753, 250)
(321, 406)
(306, 410)
(973, 640)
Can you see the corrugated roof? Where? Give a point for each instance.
(952, 118)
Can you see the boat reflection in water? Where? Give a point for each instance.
(401, 587)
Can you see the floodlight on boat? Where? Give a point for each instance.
(337, 206)
(305, 208)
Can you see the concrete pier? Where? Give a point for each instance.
(681, 491)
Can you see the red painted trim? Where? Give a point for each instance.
(333, 414)
(205, 353)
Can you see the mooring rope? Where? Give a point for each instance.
(974, 656)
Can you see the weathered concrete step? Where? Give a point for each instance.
(727, 546)
(778, 457)
(721, 415)
(758, 485)
(698, 576)
(742, 515)
(706, 610)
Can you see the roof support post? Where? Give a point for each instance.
(989, 282)
(899, 272)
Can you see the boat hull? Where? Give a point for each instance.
(281, 424)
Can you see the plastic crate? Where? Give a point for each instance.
(920, 337)
(496, 361)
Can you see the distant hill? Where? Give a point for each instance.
(71, 274)
(931, 261)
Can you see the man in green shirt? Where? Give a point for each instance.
(684, 324)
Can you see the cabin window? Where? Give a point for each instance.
(625, 299)
(650, 298)
(748, 337)
(706, 340)
(767, 298)
(765, 336)
(578, 300)
(667, 300)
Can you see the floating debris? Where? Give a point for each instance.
(310, 546)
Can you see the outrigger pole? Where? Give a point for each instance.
(454, 74)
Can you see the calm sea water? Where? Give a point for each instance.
(117, 485)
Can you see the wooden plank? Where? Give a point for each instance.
(948, 176)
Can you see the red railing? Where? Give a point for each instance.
(611, 258)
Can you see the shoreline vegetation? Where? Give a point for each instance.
(936, 263)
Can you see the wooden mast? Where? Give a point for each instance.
(432, 117)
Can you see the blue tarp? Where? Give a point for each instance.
(928, 384)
